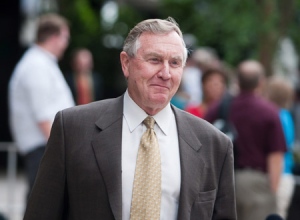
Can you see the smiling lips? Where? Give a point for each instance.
(160, 86)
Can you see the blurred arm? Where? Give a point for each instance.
(225, 204)
(45, 127)
(274, 166)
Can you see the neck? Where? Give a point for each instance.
(48, 47)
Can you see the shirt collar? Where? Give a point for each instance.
(45, 52)
(134, 115)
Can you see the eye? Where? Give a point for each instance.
(175, 63)
(154, 60)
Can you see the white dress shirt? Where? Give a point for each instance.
(37, 91)
(166, 132)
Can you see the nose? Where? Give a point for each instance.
(164, 73)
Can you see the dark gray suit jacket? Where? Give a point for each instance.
(80, 174)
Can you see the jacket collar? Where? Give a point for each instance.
(107, 148)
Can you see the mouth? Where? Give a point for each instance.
(160, 86)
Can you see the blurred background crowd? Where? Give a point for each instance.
(220, 35)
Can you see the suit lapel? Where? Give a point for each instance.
(107, 148)
(191, 164)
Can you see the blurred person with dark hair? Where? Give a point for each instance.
(281, 93)
(86, 84)
(213, 86)
(259, 145)
(37, 91)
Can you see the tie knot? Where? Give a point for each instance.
(149, 122)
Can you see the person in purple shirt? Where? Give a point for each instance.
(259, 145)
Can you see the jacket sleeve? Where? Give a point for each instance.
(47, 200)
(225, 205)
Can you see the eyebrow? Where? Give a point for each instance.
(158, 55)
(153, 54)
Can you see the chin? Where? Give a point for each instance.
(160, 101)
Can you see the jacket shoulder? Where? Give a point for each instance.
(95, 110)
(198, 127)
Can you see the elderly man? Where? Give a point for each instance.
(136, 156)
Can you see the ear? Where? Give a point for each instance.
(125, 63)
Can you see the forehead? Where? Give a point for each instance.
(215, 75)
(251, 67)
(64, 30)
(83, 54)
(163, 44)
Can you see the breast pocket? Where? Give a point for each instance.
(202, 208)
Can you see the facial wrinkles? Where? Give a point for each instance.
(137, 45)
(157, 73)
(163, 45)
(161, 66)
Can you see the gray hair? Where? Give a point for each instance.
(155, 26)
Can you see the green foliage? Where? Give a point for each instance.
(87, 31)
(294, 29)
(86, 16)
(231, 27)
(236, 29)
(84, 22)
(129, 15)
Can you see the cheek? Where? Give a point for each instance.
(219, 86)
(137, 72)
(137, 82)
(206, 88)
(177, 79)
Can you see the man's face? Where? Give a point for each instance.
(154, 74)
(62, 41)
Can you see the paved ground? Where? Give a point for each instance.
(12, 196)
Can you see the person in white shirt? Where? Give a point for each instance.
(92, 168)
(37, 91)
